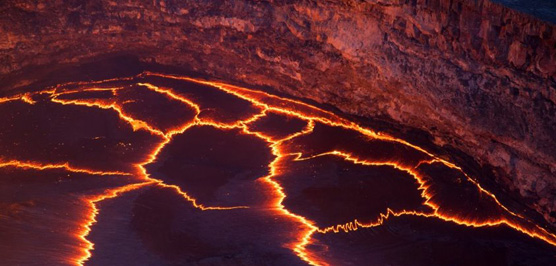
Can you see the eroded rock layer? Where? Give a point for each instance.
(475, 75)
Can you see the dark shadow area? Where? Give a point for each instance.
(84, 136)
(277, 126)
(163, 229)
(325, 138)
(332, 191)
(42, 213)
(215, 166)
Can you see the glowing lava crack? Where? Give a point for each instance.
(294, 133)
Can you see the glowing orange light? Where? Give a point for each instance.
(27, 98)
(135, 123)
(66, 166)
(91, 218)
(512, 221)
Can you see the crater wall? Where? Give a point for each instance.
(477, 76)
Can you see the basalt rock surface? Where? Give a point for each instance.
(479, 77)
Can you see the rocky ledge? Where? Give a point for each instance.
(478, 77)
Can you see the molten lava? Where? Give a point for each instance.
(195, 138)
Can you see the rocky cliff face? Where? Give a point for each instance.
(475, 75)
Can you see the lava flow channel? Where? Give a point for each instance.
(169, 133)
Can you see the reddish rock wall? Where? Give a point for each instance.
(477, 76)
